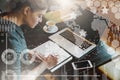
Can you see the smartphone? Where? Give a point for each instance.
(82, 64)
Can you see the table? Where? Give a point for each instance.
(99, 56)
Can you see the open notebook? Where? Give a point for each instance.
(52, 48)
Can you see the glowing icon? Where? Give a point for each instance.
(9, 56)
(26, 59)
(105, 10)
(117, 15)
(83, 33)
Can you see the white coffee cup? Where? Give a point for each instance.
(50, 25)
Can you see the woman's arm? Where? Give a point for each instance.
(46, 62)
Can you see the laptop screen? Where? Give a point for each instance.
(75, 39)
(92, 24)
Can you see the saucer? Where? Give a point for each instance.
(55, 29)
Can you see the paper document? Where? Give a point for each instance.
(51, 48)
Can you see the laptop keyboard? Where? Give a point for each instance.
(80, 42)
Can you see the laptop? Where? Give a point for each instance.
(75, 44)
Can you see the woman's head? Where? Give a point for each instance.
(28, 11)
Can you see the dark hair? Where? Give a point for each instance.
(16, 5)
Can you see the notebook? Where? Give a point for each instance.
(51, 48)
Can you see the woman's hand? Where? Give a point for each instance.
(50, 60)
(38, 57)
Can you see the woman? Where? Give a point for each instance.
(21, 12)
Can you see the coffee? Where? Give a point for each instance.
(50, 25)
